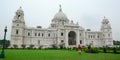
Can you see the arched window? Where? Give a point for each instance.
(17, 24)
(38, 42)
(61, 34)
(109, 35)
(62, 41)
(28, 33)
(89, 36)
(18, 16)
(80, 41)
(98, 36)
(49, 35)
(80, 34)
(38, 34)
(42, 34)
(17, 31)
(35, 34)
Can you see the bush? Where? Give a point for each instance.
(94, 50)
(34, 48)
(74, 48)
(7, 43)
(28, 48)
(40, 47)
(85, 49)
(104, 50)
(114, 50)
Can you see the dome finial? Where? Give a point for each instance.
(20, 8)
(60, 8)
(104, 17)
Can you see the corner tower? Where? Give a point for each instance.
(18, 26)
(107, 32)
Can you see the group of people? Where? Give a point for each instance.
(79, 49)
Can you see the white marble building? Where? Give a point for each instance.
(61, 31)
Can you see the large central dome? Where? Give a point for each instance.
(60, 16)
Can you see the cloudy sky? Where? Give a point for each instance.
(88, 13)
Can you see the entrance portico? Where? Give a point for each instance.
(72, 38)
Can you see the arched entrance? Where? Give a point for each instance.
(72, 38)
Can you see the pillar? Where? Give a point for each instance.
(66, 39)
(77, 38)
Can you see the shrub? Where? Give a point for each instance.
(34, 48)
(0, 46)
(11, 47)
(40, 47)
(114, 50)
(104, 50)
(74, 48)
(28, 47)
(94, 50)
(7, 44)
(85, 49)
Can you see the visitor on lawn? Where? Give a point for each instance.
(79, 49)
(89, 48)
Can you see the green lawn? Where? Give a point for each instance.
(12, 54)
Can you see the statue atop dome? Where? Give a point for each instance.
(60, 8)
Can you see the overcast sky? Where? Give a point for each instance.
(88, 13)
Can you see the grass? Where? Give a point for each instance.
(12, 54)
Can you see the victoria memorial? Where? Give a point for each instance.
(61, 31)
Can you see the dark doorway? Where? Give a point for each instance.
(71, 38)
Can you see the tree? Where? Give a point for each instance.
(7, 43)
(116, 42)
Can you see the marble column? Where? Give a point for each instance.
(77, 38)
(84, 38)
(66, 39)
(58, 37)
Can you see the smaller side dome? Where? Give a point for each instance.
(19, 15)
(105, 20)
(20, 11)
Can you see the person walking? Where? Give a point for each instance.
(79, 49)
(89, 49)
